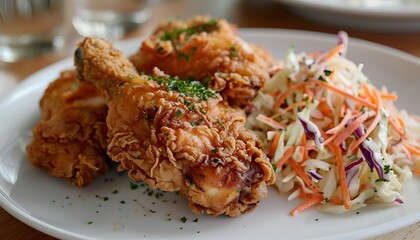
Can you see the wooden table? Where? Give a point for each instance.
(245, 13)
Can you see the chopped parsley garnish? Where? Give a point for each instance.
(220, 123)
(133, 186)
(183, 219)
(178, 113)
(387, 169)
(381, 180)
(214, 150)
(74, 85)
(185, 87)
(233, 51)
(115, 191)
(327, 72)
(90, 222)
(274, 167)
(195, 220)
(209, 26)
(184, 55)
(322, 79)
(171, 36)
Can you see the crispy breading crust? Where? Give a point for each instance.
(204, 151)
(208, 50)
(70, 139)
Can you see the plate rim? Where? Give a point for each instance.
(409, 13)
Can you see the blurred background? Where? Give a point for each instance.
(37, 33)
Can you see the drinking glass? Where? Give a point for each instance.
(30, 27)
(109, 18)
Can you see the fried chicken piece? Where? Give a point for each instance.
(70, 140)
(207, 50)
(187, 140)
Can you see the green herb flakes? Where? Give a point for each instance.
(233, 51)
(327, 72)
(133, 186)
(322, 79)
(178, 113)
(185, 87)
(387, 169)
(209, 26)
(274, 167)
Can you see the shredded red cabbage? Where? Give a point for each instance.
(350, 174)
(312, 131)
(343, 146)
(399, 140)
(343, 38)
(314, 174)
(353, 164)
(371, 158)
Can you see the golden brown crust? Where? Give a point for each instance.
(70, 140)
(206, 49)
(175, 142)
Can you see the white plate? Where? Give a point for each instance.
(379, 15)
(61, 210)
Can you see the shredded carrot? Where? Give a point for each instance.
(304, 176)
(283, 96)
(270, 122)
(325, 109)
(339, 48)
(305, 149)
(342, 92)
(307, 204)
(328, 141)
(341, 125)
(308, 92)
(412, 149)
(274, 143)
(342, 178)
(401, 121)
(363, 186)
(332, 74)
(301, 192)
(389, 96)
(367, 91)
(373, 124)
(287, 154)
(350, 129)
(335, 200)
(295, 105)
(397, 128)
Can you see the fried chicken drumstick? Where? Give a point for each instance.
(208, 50)
(183, 139)
(70, 140)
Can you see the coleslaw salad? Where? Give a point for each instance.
(335, 141)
